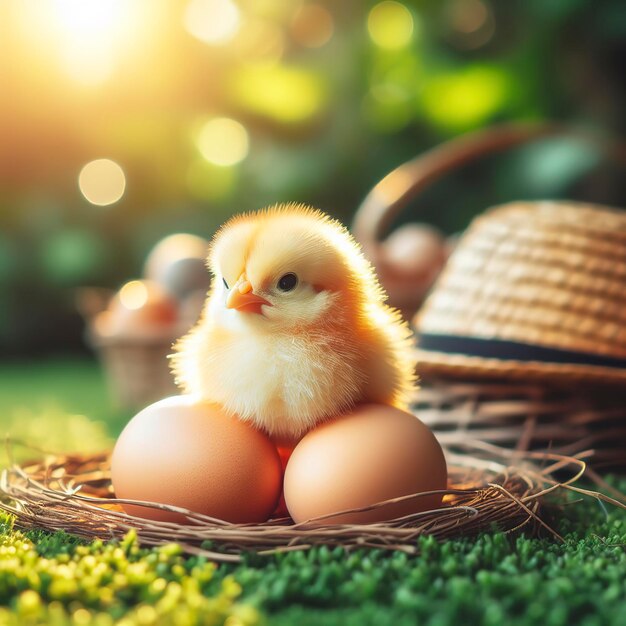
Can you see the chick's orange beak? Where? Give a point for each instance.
(244, 299)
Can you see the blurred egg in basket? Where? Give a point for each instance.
(178, 264)
(140, 308)
(409, 260)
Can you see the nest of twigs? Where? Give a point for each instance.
(500, 491)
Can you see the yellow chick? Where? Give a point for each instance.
(295, 329)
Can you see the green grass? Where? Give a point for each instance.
(494, 579)
(70, 385)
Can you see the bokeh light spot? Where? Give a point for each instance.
(212, 21)
(133, 295)
(466, 99)
(102, 182)
(285, 94)
(312, 26)
(223, 141)
(390, 25)
(471, 23)
(468, 16)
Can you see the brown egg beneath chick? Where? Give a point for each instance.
(191, 454)
(369, 455)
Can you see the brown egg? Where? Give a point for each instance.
(191, 454)
(410, 260)
(415, 249)
(372, 454)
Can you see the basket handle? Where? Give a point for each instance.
(385, 201)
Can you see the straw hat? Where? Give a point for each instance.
(535, 290)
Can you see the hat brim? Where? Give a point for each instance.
(460, 366)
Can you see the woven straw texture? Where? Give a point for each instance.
(137, 370)
(549, 274)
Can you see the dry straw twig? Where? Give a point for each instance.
(489, 489)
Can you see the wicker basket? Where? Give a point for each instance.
(526, 417)
(136, 366)
(137, 369)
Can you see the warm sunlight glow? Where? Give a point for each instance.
(102, 182)
(88, 31)
(133, 295)
(223, 141)
(212, 21)
(88, 19)
(89, 36)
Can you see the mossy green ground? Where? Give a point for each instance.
(494, 579)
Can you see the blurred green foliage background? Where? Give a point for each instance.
(211, 107)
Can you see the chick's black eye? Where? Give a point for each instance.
(288, 282)
(225, 283)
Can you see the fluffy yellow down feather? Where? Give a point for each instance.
(287, 356)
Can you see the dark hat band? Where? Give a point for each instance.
(511, 351)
